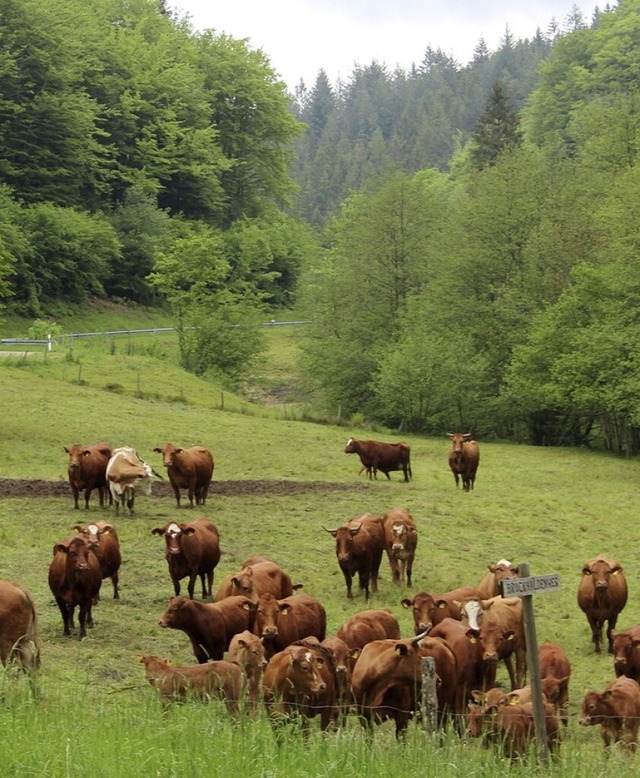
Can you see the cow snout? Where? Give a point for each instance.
(343, 557)
(585, 721)
(424, 626)
(174, 550)
(270, 632)
(602, 585)
(490, 657)
(82, 566)
(620, 665)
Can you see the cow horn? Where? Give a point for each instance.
(330, 531)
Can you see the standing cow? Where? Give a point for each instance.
(125, 470)
(617, 710)
(626, 653)
(188, 468)
(359, 548)
(381, 456)
(105, 544)
(401, 539)
(19, 638)
(87, 468)
(193, 550)
(464, 458)
(602, 594)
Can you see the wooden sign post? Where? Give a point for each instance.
(526, 586)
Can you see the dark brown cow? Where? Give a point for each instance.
(365, 627)
(555, 672)
(602, 594)
(221, 679)
(466, 648)
(19, 637)
(193, 550)
(430, 609)
(258, 576)
(75, 579)
(626, 653)
(325, 703)
(385, 457)
(464, 459)
(359, 549)
(401, 539)
(490, 586)
(87, 471)
(188, 468)
(341, 656)
(209, 626)
(105, 544)
(279, 623)
(247, 650)
(291, 683)
(617, 710)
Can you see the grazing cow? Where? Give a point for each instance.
(291, 683)
(626, 653)
(499, 626)
(279, 623)
(555, 671)
(258, 576)
(188, 468)
(87, 469)
(192, 549)
(19, 637)
(359, 548)
(125, 470)
(209, 626)
(490, 586)
(430, 609)
(464, 458)
(105, 544)
(247, 650)
(381, 456)
(221, 679)
(401, 539)
(75, 579)
(365, 627)
(617, 710)
(602, 594)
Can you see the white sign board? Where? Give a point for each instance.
(535, 584)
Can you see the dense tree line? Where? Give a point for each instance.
(500, 295)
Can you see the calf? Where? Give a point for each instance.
(490, 585)
(341, 662)
(247, 650)
(385, 457)
(430, 609)
(282, 622)
(617, 710)
(104, 542)
(359, 549)
(515, 730)
(464, 458)
(602, 594)
(19, 636)
(87, 468)
(192, 550)
(188, 468)
(555, 671)
(258, 576)
(220, 679)
(626, 653)
(75, 579)
(365, 627)
(401, 539)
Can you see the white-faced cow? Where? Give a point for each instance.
(188, 468)
(125, 471)
(464, 458)
(105, 544)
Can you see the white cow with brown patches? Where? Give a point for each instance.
(125, 471)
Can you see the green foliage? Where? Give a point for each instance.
(497, 131)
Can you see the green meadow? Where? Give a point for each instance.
(285, 479)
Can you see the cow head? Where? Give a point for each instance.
(423, 607)
(304, 670)
(168, 452)
(344, 540)
(458, 439)
(77, 551)
(351, 447)
(91, 532)
(173, 534)
(242, 583)
(600, 570)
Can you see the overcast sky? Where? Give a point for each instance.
(302, 36)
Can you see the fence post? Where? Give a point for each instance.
(429, 694)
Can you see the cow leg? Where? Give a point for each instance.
(596, 632)
(76, 496)
(611, 624)
(115, 578)
(508, 663)
(67, 618)
(209, 590)
(386, 472)
(192, 584)
(176, 491)
(87, 494)
(409, 571)
(521, 666)
(192, 497)
(364, 577)
(348, 578)
(101, 496)
(85, 619)
(130, 502)
(457, 480)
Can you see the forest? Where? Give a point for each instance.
(462, 237)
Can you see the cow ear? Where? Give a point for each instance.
(186, 530)
(158, 531)
(586, 571)
(107, 529)
(406, 603)
(284, 609)
(606, 695)
(516, 569)
(60, 547)
(355, 653)
(158, 450)
(477, 696)
(320, 661)
(66, 449)
(472, 634)
(355, 530)
(510, 634)
(179, 450)
(616, 570)
(79, 528)
(443, 603)
(401, 649)
(491, 567)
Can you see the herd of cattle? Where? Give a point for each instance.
(258, 640)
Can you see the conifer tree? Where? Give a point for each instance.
(498, 128)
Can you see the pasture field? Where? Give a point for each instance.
(277, 482)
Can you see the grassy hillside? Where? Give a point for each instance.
(553, 508)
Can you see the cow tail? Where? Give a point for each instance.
(31, 640)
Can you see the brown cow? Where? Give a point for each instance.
(602, 594)
(341, 662)
(499, 625)
(365, 627)
(75, 579)
(515, 730)
(291, 683)
(247, 650)
(258, 576)
(105, 544)
(188, 468)
(617, 710)
(466, 648)
(279, 623)
(192, 549)
(464, 458)
(221, 679)
(430, 609)
(401, 539)
(87, 471)
(125, 471)
(359, 549)
(325, 703)
(209, 626)
(19, 637)
(482, 714)
(385, 457)
(555, 671)
(490, 586)
(626, 653)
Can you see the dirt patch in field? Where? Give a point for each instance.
(17, 487)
